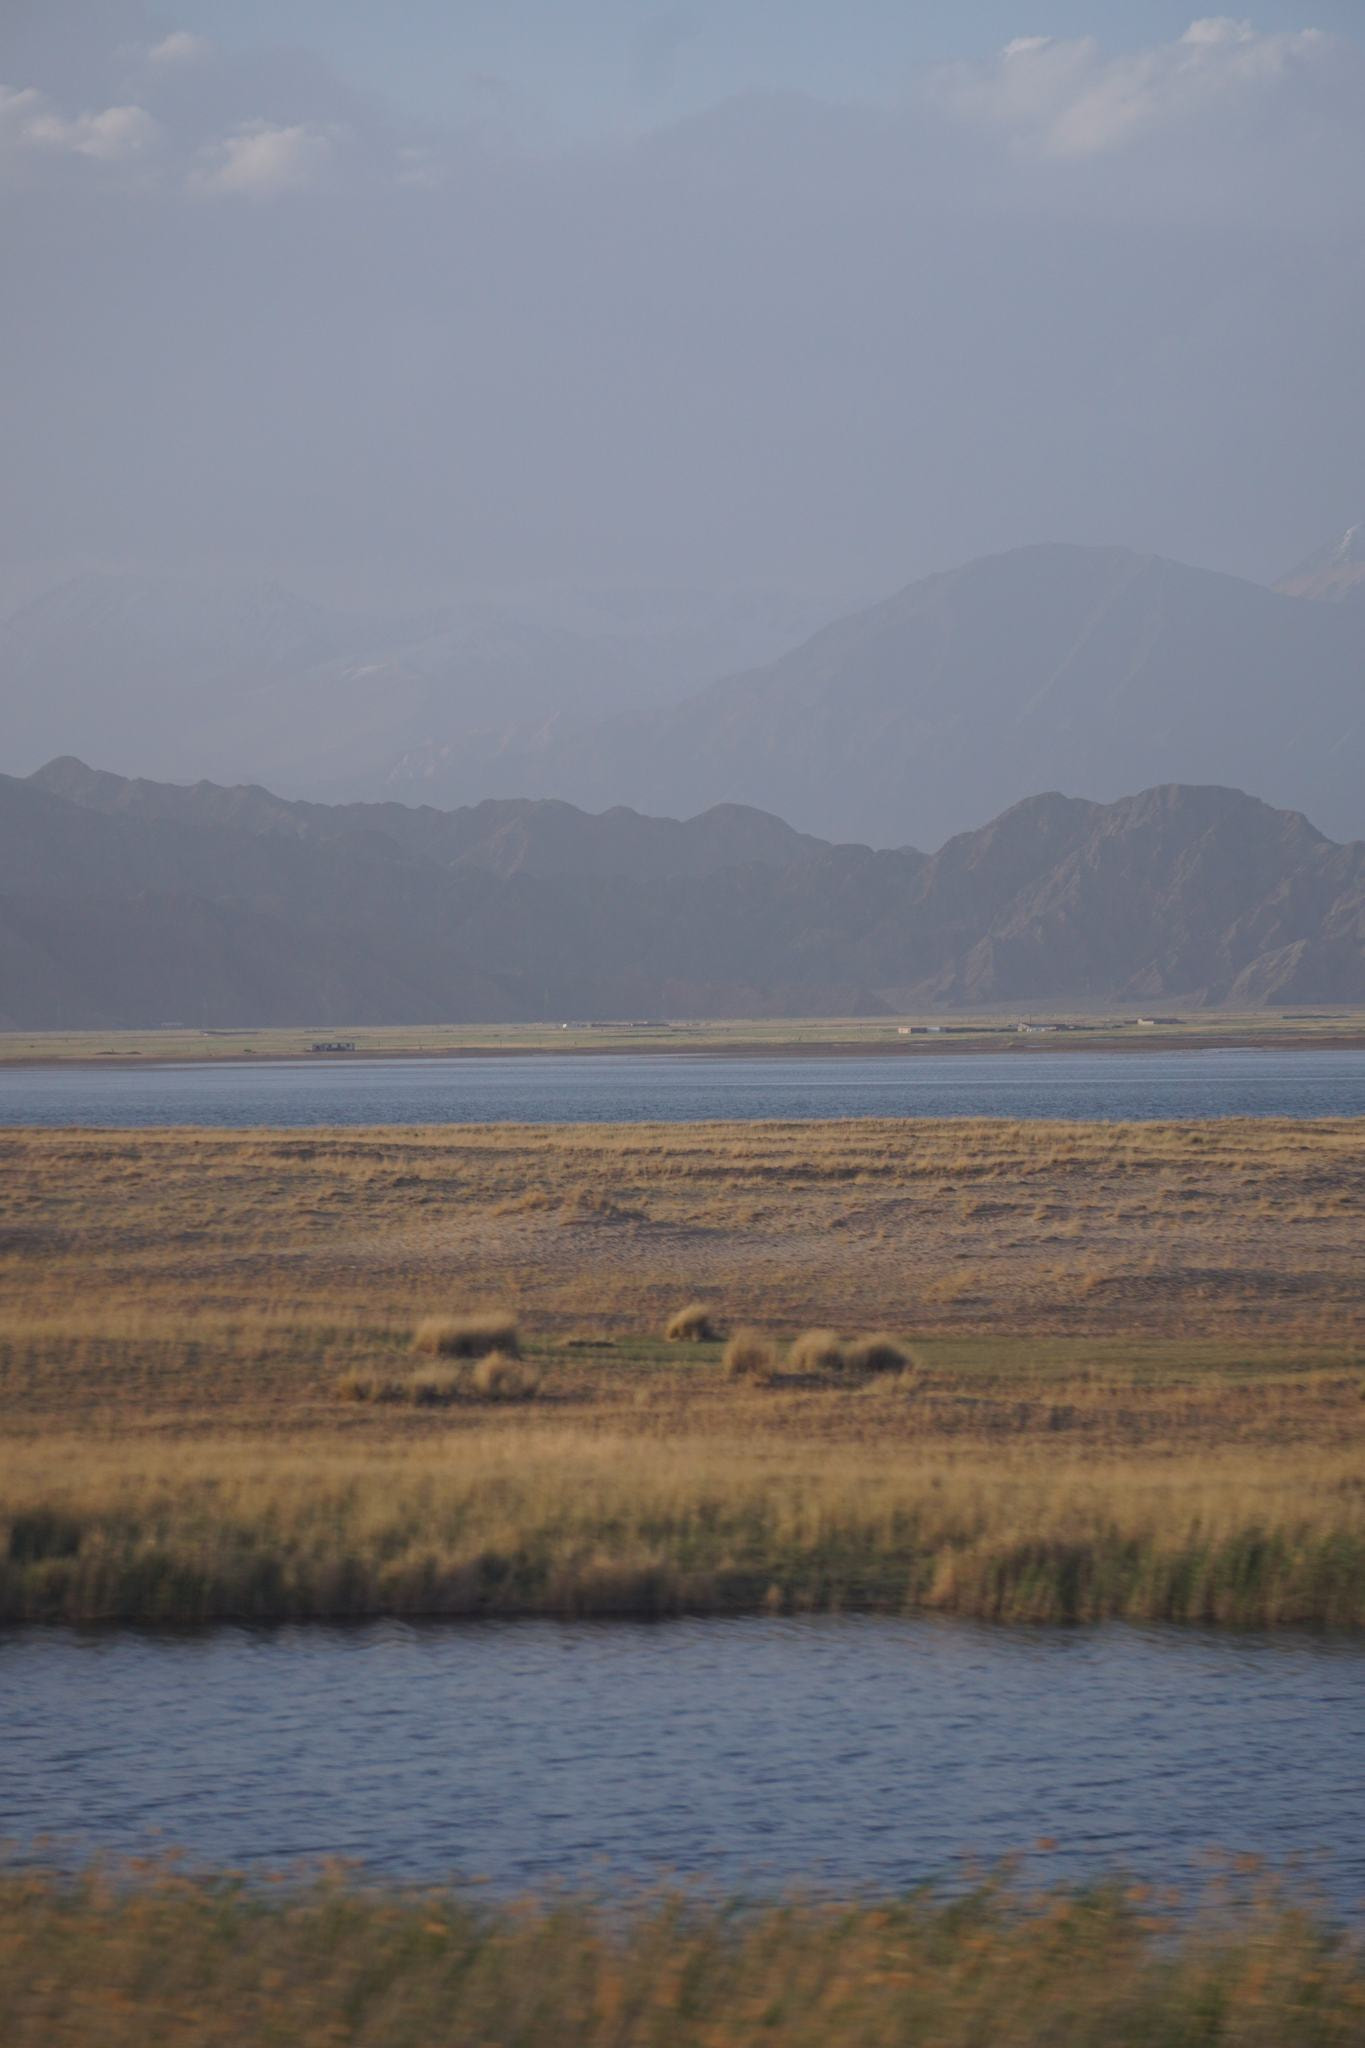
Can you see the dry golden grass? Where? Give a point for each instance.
(208, 1963)
(205, 1963)
(210, 1404)
(816, 1351)
(505, 1512)
(750, 1355)
(494, 1376)
(500, 1376)
(1183, 1229)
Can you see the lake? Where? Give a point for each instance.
(672, 1088)
(753, 1753)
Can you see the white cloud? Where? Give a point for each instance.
(1218, 28)
(180, 47)
(1063, 98)
(259, 161)
(28, 121)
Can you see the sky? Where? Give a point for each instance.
(603, 66)
(393, 301)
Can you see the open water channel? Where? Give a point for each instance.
(836, 1753)
(676, 1088)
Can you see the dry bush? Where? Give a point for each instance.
(497, 1377)
(877, 1354)
(750, 1355)
(468, 1336)
(817, 1351)
(435, 1386)
(694, 1324)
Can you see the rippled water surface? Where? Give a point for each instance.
(631, 1088)
(841, 1752)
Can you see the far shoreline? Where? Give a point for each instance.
(927, 1043)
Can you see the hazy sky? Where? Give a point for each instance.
(392, 299)
(608, 65)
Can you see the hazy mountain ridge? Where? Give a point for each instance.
(1088, 669)
(133, 903)
(251, 681)
(506, 835)
(1335, 572)
(1082, 668)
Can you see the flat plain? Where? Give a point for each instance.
(1135, 1380)
(1340, 1026)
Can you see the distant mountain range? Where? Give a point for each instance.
(249, 681)
(1084, 669)
(1092, 670)
(133, 903)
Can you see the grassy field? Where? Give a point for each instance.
(209, 1964)
(1137, 1367)
(976, 1032)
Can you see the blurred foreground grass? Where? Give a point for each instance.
(163, 1961)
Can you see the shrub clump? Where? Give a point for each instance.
(694, 1324)
(817, 1351)
(877, 1354)
(434, 1386)
(469, 1336)
(750, 1355)
(498, 1377)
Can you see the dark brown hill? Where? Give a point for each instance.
(133, 902)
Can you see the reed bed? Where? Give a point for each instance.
(207, 1962)
(535, 1519)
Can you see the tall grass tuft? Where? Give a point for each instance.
(434, 1386)
(694, 1324)
(877, 1354)
(468, 1336)
(497, 1377)
(817, 1351)
(750, 1355)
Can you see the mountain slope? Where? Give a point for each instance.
(1335, 572)
(514, 835)
(192, 679)
(1089, 669)
(130, 903)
